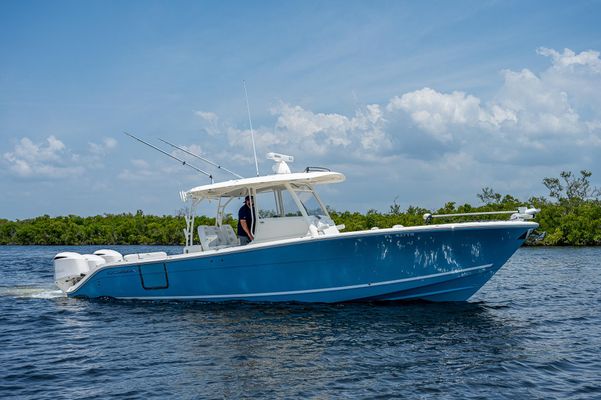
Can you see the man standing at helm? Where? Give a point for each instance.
(245, 222)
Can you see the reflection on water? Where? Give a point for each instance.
(533, 331)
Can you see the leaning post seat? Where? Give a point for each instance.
(215, 237)
(227, 235)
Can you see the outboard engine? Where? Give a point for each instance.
(70, 268)
(110, 256)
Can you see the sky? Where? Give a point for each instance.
(418, 103)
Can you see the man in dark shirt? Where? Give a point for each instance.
(245, 222)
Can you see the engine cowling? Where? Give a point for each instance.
(110, 256)
(70, 268)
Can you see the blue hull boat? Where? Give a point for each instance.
(441, 263)
(298, 254)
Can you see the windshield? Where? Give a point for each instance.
(278, 202)
(267, 205)
(290, 209)
(309, 201)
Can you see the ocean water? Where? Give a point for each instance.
(534, 331)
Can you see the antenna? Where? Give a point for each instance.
(252, 134)
(169, 155)
(201, 158)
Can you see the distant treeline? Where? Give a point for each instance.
(570, 216)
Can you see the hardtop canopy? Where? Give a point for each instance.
(239, 187)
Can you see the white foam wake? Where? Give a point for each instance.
(31, 292)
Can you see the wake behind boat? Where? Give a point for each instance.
(299, 253)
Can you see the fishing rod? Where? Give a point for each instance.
(172, 156)
(201, 158)
(252, 133)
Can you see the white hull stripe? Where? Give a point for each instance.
(310, 291)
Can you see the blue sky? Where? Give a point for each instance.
(423, 102)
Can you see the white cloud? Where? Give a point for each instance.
(193, 148)
(30, 151)
(52, 159)
(109, 143)
(101, 149)
(160, 171)
(210, 121)
(437, 113)
(579, 76)
(313, 131)
(540, 108)
(140, 164)
(207, 116)
(562, 100)
(532, 116)
(368, 125)
(317, 134)
(141, 171)
(49, 159)
(570, 60)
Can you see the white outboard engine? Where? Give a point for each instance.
(70, 268)
(110, 256)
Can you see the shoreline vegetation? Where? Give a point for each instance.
(570, 216)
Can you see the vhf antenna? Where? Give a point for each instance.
(201, 158)
(169, 155)
(252, 134)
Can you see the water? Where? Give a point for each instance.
(534, 331)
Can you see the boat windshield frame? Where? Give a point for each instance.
(298, 190)
(283, 209)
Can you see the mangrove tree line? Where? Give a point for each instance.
(570, 215)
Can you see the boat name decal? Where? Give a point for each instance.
(122, 271)
(408, 234)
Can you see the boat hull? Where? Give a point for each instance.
(444, 263)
